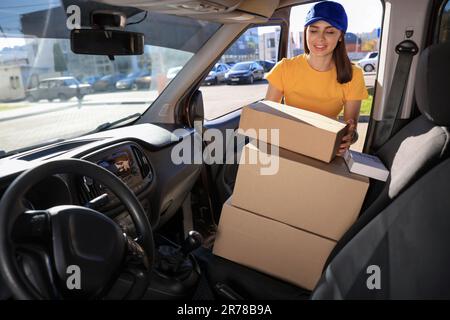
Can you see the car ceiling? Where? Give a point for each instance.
(223, 11)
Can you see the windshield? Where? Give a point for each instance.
(241, 66)
(35, 46)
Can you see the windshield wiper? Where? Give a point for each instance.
(109, 125)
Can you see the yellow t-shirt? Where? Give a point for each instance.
(316, 91)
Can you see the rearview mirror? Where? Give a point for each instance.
(106, 42)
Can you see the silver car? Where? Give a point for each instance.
(62, 88)
(217, 74)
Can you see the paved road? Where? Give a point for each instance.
(26, 124)
(223, 99)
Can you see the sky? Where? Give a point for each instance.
(363, 16)
(10, 11)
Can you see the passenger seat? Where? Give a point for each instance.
(417, 147)
(402, 253)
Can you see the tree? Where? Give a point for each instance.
(369, 45)
(58, 59)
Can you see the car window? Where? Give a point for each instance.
(69, 82)
(43, 85)
(35, 40)
(237, 86)
(362, 41)
(444, 29)
(241, 66)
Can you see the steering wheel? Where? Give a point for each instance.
(81, 251)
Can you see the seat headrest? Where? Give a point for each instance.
(432, 87)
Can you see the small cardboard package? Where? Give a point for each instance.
(271, 247)
(323, 199)
(301, 131)
(366, 164)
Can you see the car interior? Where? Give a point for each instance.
(141, 226)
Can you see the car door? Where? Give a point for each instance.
(222, 108)
(260, 70)
(220, 73)
(53, 89)
(42, 91)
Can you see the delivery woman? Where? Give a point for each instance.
(322, 80)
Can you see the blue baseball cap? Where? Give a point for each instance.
(329, 11)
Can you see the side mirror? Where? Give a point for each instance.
(196, 111)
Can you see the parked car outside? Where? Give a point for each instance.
(90, 79)
(129, 82)
(370, 62)
(217, 74)
(246, 72)
(62, 88)
(144, 80)
(266, 64)
(108, 82)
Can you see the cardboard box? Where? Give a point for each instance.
(324, 199)
(301, 131)
(271, 247)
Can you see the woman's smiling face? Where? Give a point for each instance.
(322, 38)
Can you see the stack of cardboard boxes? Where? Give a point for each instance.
(286, 223)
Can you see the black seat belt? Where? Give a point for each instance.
(406, 50)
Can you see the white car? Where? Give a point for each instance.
(369, 63)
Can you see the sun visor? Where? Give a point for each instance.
(160, 30)
(52, 22)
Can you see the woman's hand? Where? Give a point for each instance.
(347, 139)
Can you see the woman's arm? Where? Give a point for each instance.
(351, 116)
(351, 110)
(273, 94)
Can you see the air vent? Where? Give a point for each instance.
(143, 163)
(88, 190)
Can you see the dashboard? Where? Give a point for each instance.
(140, 156)
(128, 162)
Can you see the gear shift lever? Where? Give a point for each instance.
(193, 241)
(175, 261)
(176, 271)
